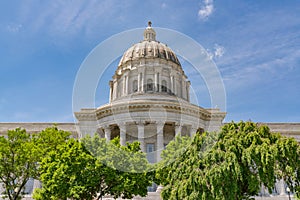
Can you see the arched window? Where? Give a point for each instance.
(164, 86)
(135, 86)
(149, 85)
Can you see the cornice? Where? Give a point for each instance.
(173, 107)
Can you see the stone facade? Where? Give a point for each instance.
(36, 127)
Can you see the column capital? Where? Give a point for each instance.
(160, 123)
(122, 124)
(122, 127)
(173, 73)
(107, 132)
(178, 124)
(160, 127)
(193, 130)
(178, 128)
(105, 127)
(140, 123)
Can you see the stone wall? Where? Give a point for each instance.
(36, 127)
(287, 129)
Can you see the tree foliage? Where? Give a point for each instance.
(49, 139)
(173, 151)
(20, 155)
(232, 164)
(18, 158)
(68, 172)
(130, 168)
(92, 168)
(126, 167)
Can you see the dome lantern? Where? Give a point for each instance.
(149, 33)
(149, 48)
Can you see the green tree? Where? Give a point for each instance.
(173, 151)
(232, 164)
(18, 158)
(92, 168)
(289, 163)
(49, 139)
(126, 167)
(68, 172)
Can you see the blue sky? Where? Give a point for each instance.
(255, 44)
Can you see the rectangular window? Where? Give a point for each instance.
(150, 150)
(150, 147)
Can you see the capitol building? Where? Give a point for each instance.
(150, 102)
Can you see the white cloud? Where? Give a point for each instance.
(217, 52)
(14, 28)
(206, 9)
(67, 18)
(163, 5)
(259, 67)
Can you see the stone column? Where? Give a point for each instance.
(122, 127)
(172, 84)
(159, 140)
(169, 89)
(183, 88)
(29, 187)
(193, 131)
(141, 135)
(180, 88)
(156, 82)
(281, 187)
(139, 81)
(178, 128)
(111, 89)
(264, 191)
(175, 86)
(124, 85)
(107, 133)
(36, 184)
(1, 188)
(144, 80)
(127, 85)
(116, 89)
(188, 91)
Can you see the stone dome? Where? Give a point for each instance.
(149, 69)
(149, 48)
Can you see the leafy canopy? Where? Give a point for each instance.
(18, 158)
(232, 164)
(92, 168)
(69, 172)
